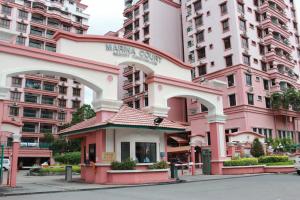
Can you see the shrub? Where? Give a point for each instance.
(287, 163)
(257, 149)
(273, 159)
(126, 165)
(159, 165)
(72, 158)
(241, 162)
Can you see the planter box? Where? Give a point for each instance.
(238, 170)
(133, 177)
(280, 169)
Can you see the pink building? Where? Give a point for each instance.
(251, 46)
(42, 102)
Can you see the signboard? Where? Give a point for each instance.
(108, 157)
(131, 52)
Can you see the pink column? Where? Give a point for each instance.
(230, 150)
(193, 159)
(218, 146)
(14, 162)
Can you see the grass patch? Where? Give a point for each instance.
(287, 163)
(53, 170)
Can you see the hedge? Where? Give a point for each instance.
(126, 165)
(241, 162)
(59, 169)
(273, 159)
(72, 158)
(159, 165)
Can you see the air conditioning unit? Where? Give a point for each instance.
(242, 15)
(251, 89)
(202, 79)
(246, 52)
(15, 104)
(198, 45)
(268, 93)
(193, 111)
(249, 70)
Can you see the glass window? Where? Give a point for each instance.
(92, 153)
(125, 151)
(232, 100)
(145, 152)
(246, 59)
(230, 80)
(227, 43)
(225, 25)
(224, 9)
(248, 79)
(228, 61)
(202, 70)
(13, 111)
(250, 98)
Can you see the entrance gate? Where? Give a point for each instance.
(206, 158)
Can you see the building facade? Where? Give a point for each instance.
(44, 103)
(252, 46)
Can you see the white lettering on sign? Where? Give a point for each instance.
(138, 54)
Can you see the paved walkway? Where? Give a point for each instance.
(49, 184)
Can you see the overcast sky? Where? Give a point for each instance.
(106, 15)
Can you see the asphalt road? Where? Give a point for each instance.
(266, 187)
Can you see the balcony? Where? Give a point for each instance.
(272, 56)
(278, 42)
(280, 28)
(127, 84)
(274, 12)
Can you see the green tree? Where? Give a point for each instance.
(257, 149)
(285, 100)
(83, 113)
(48, 138)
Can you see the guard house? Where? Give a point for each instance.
(129, 133)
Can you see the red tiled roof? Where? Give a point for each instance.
(126, 116)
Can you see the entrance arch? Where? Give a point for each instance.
(95, 61)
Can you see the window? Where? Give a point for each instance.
(137, 104)
(202, 70)
(13, 111)
(228, 61)
(225, 25)
(62, 116)
(223, 8)
(227, 43)
(248, 79)
(245, 44)
(198, 5)
(15, 96)
(23, 14)
(199, 21)
(230, 80)
(241, 8)
(75, 104)
(21, 27)
(201, 53)
(250, 98)
(232, 100)
(145, 152)
(242, 25)
(246, 59)
(62, 89)
(16, 82)
(20, 40)
(208, 138)
(146, 101)
(125, 151)
(48, 100)
(6, 10)
(62, 103)
(266, 84)
(200, 36)
(76, 92)
(263, 131)
(4, 23)
(92, 153)
(268, 102)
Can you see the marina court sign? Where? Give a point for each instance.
(131, 52)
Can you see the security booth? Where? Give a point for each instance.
(126, 134)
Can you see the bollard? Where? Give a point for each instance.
(174, 173)
(68, 173)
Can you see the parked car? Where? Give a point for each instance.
(297, 164)
(6, 164)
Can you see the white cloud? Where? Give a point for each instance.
(104, 15)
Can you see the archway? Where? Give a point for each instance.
(95, 60)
